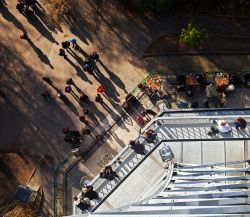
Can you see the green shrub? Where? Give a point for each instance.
(193, 35)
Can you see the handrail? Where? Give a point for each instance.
(189, 110)
(152, 123)
(130, 172)
(157, 119)
(57, 172)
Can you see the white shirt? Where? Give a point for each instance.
(223, 128)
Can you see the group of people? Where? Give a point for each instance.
(224, 126)
(73, 137)
(84, 201)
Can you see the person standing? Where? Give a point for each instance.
(87, 132)
(68, 89)
(108, 173)
(240, 123)
(84, 97)
(82, 118)
(100, 89)
(24, 36)
(87, 191)
(98, 98)
(73, 41)
(94, 56)
(62, 53)
(137, 147)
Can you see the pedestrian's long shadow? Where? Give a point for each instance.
(110, 89)
(67, 103)
(79, 71)
(33, 20)
(11, 18)
(40, 54)
(114, 77)
(98, 113)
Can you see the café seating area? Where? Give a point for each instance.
(213, 85)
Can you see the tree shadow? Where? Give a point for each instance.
(39, 12)
(77, 25)
(40, 54)
(3, 2)
(33, 20)
(114, 77)
(8, 16)
(25, 109)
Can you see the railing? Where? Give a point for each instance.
(129, 161)
(58, 186)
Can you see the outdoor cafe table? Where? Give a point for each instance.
(154, 82)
